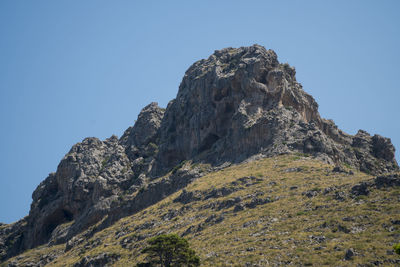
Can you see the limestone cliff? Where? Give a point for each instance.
(238, 103)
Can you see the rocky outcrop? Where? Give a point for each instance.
(141, 141)
(103, 259)
(87, 180)
(240, 102)
(237, 103)
(11, 238)
(382, 181)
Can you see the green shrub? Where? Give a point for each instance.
(396, 248)
(169, 250)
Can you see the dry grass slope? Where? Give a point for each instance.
(286, 210)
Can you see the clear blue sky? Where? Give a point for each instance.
(73, 69)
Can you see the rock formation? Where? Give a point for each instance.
(237, 103)
(240, 102)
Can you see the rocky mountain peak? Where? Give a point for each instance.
(238, 103)
(252, 75)
(242, 101)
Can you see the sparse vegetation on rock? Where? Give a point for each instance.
(227, 229)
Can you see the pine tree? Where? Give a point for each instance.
(169, 251)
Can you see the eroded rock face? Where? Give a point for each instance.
(11, 238)
(92, 174)
(141, 141)
(90, 183)
(145, 130)
(238, 103)
(228, 106)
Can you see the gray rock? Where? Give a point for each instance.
(186, 197)
(104, 259)
(194, 229)
(238, 207)
(246, 181)
(340, 195)
(318, 239)
(396, 222)
(342, 228)
(311, 193)
(255, 201)
(220, 192)
(214, 219)
(74, 241)
(226, 204)
(360, 189)
(11, 234)
(145, 129)
(338, 169)
(337, 248)
(293, 170)
(349, 254)
(387, 180)
(328, 190)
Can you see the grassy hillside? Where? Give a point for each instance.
(287, 210)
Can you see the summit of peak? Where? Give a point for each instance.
(241, 101)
